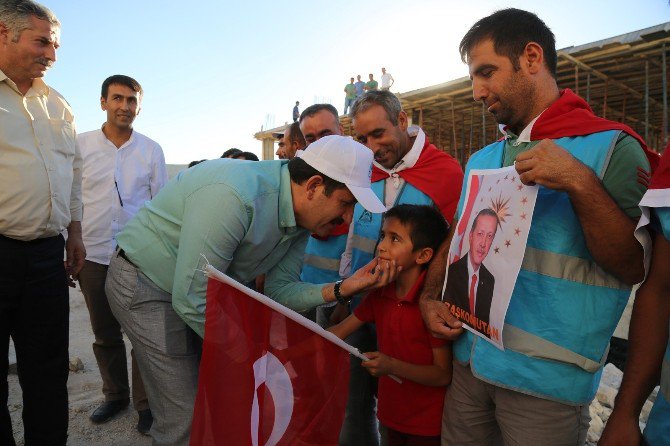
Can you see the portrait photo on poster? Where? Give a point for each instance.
(487, 250)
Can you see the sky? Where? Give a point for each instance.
(214, 72)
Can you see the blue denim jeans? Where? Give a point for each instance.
(348, 103)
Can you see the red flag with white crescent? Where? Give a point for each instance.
(472, 192)
(265, 379)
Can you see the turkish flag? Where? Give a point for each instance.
(268, 376)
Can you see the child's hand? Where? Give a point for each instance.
(379, 364)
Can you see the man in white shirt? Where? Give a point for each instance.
(122, 170)
(387, 80)
(40, 196)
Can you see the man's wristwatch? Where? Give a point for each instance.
(338, 296)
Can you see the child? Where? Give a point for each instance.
(410, 413)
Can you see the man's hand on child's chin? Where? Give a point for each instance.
(376, 274)
(439, 320)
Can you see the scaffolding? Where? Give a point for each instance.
(623, 78)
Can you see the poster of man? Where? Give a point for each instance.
(471, 285)
(487, 250)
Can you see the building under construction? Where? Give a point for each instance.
(623, 78)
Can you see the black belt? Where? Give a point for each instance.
(30, 242)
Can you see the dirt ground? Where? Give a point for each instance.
(85, 392)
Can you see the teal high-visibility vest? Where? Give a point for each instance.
(321, 263)
(564, 308)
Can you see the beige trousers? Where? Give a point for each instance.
(480, 414)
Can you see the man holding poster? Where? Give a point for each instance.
(581, 257)
(498, 211)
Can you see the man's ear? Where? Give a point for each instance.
(402, 120)
(533, 57)
(312, 184)
(425, 254)
(103, 103)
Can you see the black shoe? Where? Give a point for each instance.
(145, 421)
(107, 410)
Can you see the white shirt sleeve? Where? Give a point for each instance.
(159, 175)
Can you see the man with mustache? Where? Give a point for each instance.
(581, 258)
(246, 219)
(40, 197)
(319, 120)
(407, 169)
(122, 170)
(321, 262)
(290, 142)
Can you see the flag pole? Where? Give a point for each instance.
(214, 273)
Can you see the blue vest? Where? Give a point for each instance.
(657, 432)
(321, 263)
(367, 225)
(564, 308)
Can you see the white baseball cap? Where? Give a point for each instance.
(347, 161)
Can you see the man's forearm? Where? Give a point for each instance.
(74, 228)
(427, 375)
(608, 231)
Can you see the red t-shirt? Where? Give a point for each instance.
(408, 407)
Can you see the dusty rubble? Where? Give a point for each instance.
(601, 407)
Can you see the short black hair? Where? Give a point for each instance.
(295, 134)
(300, 172)
(231, 153)
(511, 30)
(486, 211)
(249, 156)
(195, 163)
(316, 108)
(427, 226)
(120, 79)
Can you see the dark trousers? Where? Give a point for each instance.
(391, 437)
(360, 416)
(109, 348)
(34, 311)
